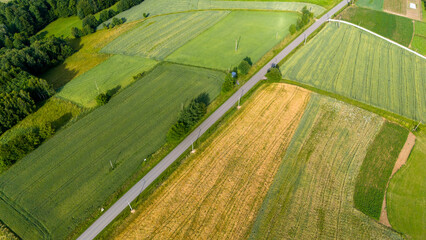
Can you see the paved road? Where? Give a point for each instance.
(123, 202)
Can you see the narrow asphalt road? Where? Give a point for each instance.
(128, 197)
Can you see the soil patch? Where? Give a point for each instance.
(402, 159)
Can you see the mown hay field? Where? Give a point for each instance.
(356, 64)
(312, 193)
(238, 35)
(115, 73)
(62, 183)
(376, 169)
(218, 191)
(158, 7)
(160, 36)
(406, 194)
(393, 27)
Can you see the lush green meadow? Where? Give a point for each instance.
(376, 169)
(312, 193)
(396, 28)
(158, 7)
(406, 194)
(160, 36)
(115, 73)
(372, 4)
(355, 64)
(419, 40)
(59, 185)
(254, 32)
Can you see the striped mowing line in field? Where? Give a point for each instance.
(353, 63)
(377, 35)
(160, 36)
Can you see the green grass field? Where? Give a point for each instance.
(160, 36)
(376, 169)
(406, 194)
(372, 4)
(116, 72)
(312, 193)
(419, 44)
(355, 64)
(255, 32)
(396, 28)
(59, 185)
(158, 7)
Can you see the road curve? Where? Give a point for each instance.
(130, 195)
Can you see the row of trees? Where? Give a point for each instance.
(189, 117)
(302, 21)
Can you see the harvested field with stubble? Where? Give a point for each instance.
(312, 193)
(217, 192)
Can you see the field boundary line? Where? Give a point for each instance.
(377, 35)
(402, 159)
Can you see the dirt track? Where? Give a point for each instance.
(402, 159)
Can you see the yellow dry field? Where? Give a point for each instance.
(87, 57)
(216, 194)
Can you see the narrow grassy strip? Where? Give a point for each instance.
(376, 169)
(159, 7)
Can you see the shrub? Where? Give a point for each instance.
(229, 83)
(102, 99)
(292, 29)
(274, 74)
(244, 67)
(76, 32)
(91, 21)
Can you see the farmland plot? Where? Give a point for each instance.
(355, 64)
(312, 193)
(406, 194)
(68, 178)
(116, 72)
(217, 192)
(240, 34)
(160, 36)
(158, 7)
